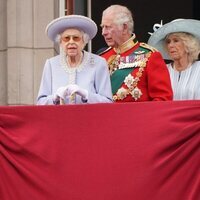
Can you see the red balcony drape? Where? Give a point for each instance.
(139, 151)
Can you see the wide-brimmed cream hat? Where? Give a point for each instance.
(157, 38)
(79, 22)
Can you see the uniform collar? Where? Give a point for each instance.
(126, 45)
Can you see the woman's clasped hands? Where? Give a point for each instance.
(68, 93)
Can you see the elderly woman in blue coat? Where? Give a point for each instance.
(75, 76)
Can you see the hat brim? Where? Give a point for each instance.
(181, 25)
(79, 22)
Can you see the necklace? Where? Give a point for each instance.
(74, 65)
(65, 65)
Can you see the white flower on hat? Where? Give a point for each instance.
(156, 27)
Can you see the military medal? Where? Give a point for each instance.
(130, 81)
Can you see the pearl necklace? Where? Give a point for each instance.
(81, 64)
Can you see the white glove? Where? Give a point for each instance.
(60, 93)
(73, 88)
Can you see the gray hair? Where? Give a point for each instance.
(121, 15)
(191, 43)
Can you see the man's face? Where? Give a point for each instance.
(111, 32)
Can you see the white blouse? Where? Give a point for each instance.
(185, 84)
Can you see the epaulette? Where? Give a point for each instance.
(148, 47)
(103, 51)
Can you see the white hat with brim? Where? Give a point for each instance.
(157, 38)
(79, 22)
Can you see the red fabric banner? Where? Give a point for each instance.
(129, 151)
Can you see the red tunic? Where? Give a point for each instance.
(153, 81)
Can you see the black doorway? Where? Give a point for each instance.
(145, 15)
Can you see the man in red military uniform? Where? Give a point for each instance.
(138, 71)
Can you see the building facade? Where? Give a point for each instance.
(23, 48)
